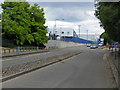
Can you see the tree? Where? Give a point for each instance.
(23, 24)
(0, 23)
(107, 13)
(106, 38)
(15, 21)
(38, 30)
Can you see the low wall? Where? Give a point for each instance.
(61, 44)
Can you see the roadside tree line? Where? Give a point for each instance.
(108, 14)
(23, 24)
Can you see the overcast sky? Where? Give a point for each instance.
(73, 13)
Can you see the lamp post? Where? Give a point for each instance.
(87, 34)
(56, 23)
(79, 30)
(54, 30)
(56, 26)
(60, 30)
(95, 38)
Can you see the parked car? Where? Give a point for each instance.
(88, 45)
(100, 44)
(93, 46)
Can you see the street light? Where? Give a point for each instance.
(79, 30)
(61, 28)
(87, 34)
(95, 38)
(56, 25)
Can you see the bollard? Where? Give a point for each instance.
(4, 51)
(9, 50)
(37, 48)
(18, 49)
(112, 49)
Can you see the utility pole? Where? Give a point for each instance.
(61, 28)
(87, 34)
(95, 38)
(79, 30)
(56, 26)
(54, 30)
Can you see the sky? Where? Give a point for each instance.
(74, 14)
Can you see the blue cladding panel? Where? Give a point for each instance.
(76, 39)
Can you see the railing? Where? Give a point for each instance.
(20, 49)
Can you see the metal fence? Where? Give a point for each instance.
(76, 39)
(20, 49)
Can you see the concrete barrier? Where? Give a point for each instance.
(61, 44)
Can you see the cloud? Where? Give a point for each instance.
(70, 11)
(60, 0)
(74, 15)
(91, 25)
(70, 15)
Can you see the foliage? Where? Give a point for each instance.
(106, 38)
(7, 42)
(107, 13)
(38, 30)
(23, 23)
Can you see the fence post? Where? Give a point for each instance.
(37, 48)
(18, 49)
(9, 50)
(112, 48)
(4, 50)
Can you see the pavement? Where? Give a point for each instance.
(86, 70)
(113, 61)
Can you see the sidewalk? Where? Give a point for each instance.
(113, 60)
(21, 53)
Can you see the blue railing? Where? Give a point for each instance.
(76, 39)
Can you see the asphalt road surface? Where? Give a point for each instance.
(11, 61)
(86, 70)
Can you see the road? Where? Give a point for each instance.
(86, 70)
(34, 57)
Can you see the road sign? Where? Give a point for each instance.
(116, 44)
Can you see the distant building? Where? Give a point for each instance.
(68, 32)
